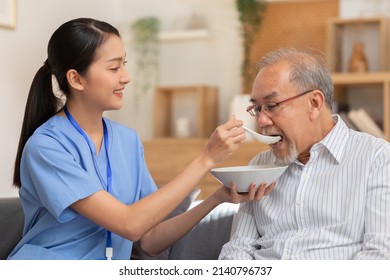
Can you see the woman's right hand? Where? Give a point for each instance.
(223, 142)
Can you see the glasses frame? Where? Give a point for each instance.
(254, 110)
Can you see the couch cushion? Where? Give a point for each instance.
(205, 241)
(11, 225)
(137, 252)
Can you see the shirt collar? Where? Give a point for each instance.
(336, 139)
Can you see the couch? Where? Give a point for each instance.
(11, 225)
(203, 242)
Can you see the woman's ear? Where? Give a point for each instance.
(74, 79)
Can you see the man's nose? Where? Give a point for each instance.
(263, 119)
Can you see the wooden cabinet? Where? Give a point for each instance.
(166, 158)
(197, 104)
(368, 82)
(373, 33)
(370, 90)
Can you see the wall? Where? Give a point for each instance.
(364, 8)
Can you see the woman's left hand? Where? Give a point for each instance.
(255, 193)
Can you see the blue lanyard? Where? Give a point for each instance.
(109, 174)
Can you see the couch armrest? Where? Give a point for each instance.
(11, 225)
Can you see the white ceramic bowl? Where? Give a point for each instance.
(243, 176)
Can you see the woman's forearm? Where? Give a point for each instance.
(168, 232)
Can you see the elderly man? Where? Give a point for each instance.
(333, 201)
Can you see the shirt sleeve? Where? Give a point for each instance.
(376, 239)
(244, 236)
(149, 186)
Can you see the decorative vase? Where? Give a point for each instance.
(358, 61)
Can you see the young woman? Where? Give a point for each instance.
(82, 178)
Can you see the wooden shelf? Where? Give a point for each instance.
(196, 103)
(177, 36)
(369, 86)
(194, 34)
(343, 81)
(342, 34)
(360, 78)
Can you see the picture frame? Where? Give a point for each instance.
(8, 14)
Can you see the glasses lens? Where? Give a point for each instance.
(270, 107)
(249, 109)
(255, 110)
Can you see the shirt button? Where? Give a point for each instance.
(298, 203)
(287, 257)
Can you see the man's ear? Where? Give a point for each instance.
(74, 79)
(317, 102)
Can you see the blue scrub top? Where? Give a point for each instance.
(57, 169)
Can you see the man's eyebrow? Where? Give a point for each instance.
(266, 98)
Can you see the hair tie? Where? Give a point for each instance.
(47, 65)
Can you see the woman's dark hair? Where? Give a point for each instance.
(72, 46)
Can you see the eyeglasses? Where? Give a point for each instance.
(270, 107)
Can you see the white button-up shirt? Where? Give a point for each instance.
(337, 206)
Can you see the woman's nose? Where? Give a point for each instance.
(125, 78)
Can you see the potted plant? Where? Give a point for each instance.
(145, 41)
(249, 12)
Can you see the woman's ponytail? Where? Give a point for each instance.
(41, 105)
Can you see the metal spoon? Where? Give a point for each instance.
(262, 138)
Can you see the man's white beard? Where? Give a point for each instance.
(289, 158)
